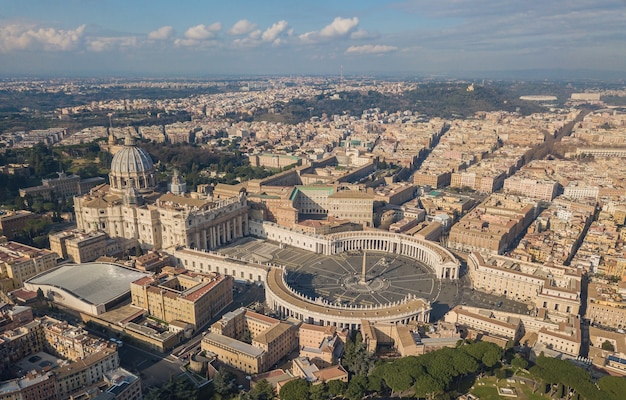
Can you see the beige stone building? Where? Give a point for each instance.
(566, 340)
(20, 342)
(130, 208)
(85, 372)
(152, 261)
(274, 160)
(63, 186)
(542, 190)
(270, 340)
(242, 356)
(20, 262)
(435, 179)
(546, 330)
(556, 288)
(401, 338)
(353, 206)
(326, 201)
(304, 368)
(493, 225)
(68, 341)
(318, 344)
(606, 305)
(182, 295)
(509, 328)
(13, 223)
(481, 181)
(78, 246)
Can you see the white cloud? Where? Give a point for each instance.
(28, 37)
(278, 42)
(255, 35)
(361, 34)
(273, 31)
(186, 42)
(340, 27)
(99, 44)
(371, 49)
(242, 27)
(163, 33)
(203, 32)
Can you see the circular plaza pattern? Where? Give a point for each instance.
(338, 279)
(356, 276)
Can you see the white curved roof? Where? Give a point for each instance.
(95, 283)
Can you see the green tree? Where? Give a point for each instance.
(336, 388)
(374, 383)
(40, 296)
(319, 392)
(500, 373)
(607, 345)
(357, 359)
(263, 390)
(246, 336)
(356, 387)
(398, 379)
(519, 362)
(174, 389)
(427, 386)
(613, 387)
(554, 371)
(223, 382)
(297, 389)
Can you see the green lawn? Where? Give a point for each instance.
(486, 392)
(489, 390)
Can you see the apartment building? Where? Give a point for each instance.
(69, 341)
(493, 225)
(20, 342)
(537, 189)
(556, 233)
(85, 372)
(33, 385)
(606, 304)
(20, 262)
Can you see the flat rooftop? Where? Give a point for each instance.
(96, 283)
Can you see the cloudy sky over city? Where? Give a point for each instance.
(241, 37)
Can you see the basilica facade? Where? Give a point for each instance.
(131, 207)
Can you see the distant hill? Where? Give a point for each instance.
(434, 100)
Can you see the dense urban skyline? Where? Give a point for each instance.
(80, 37)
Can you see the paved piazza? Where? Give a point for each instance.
(338, 278)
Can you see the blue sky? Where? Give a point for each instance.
(256, 37)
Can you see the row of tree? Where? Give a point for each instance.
(566, 379)
(428, 376)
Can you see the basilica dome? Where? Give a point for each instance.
(132, 168)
